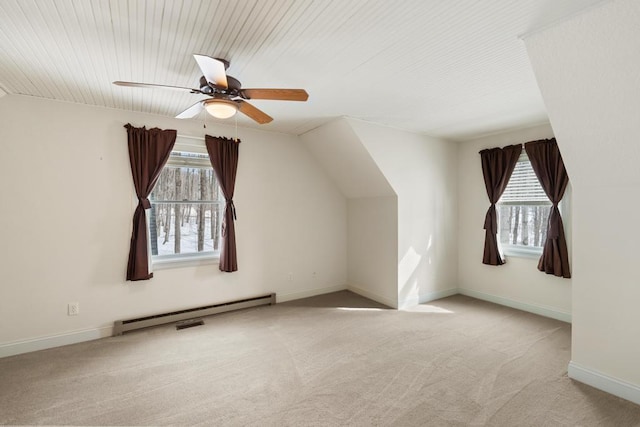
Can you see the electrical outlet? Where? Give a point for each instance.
(73, 309)
(290, 277)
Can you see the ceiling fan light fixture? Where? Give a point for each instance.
(221, 108)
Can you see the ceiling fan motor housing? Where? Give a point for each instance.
(204, 86)
(233, 87)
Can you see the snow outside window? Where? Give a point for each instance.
(186, 209)
(523, 212)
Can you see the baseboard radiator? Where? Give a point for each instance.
(122, 326)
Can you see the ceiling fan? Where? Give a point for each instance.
(226, 96)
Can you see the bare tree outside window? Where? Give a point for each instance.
(523, 225)
(523, 209)
(186, 202)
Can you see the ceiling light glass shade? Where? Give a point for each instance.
(221, 108)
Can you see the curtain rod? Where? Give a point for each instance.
(199, 138)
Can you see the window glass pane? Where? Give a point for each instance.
(523, 225)
(184, 228)
(186, 183)
(185, 217)
(185, 158)
(523, 210)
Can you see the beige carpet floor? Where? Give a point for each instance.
(332, 360)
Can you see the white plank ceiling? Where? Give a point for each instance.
(450, 68)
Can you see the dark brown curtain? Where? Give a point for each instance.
(149, 150)
(223, 153)
(497, 167)
(547, 163)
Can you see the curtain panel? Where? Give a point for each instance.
(497, 166)
(149, 150)
(223, 153)
(548, 166)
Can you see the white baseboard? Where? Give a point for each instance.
(74, 337)
(430, 296)
(283, 297)
(407, 302)
(604, 382)
(531, 308)
(43, 343)
(373, 296)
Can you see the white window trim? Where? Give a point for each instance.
(165, 262)
(520, 251)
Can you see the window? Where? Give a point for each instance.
(186, 209)
(523, 212)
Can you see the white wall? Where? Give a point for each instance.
(372, 238)
(372, 248)
(587, 70)
(68, 202)
(423, 173)
(517, 283)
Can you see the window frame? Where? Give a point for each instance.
(521, 251)
(194, 259)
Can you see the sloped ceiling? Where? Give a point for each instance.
(454, 69)
(346, 160)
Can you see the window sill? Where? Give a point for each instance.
(522, 252)
(181, 261)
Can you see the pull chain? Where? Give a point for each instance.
(204, 124)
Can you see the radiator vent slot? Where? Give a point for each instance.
(189, 323)
(122, 326)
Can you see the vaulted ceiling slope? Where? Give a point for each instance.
(454, 69)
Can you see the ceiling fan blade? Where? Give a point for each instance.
(254, 113)
(192, 111)
(277, 94)
(153, 86)
(212, 69)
